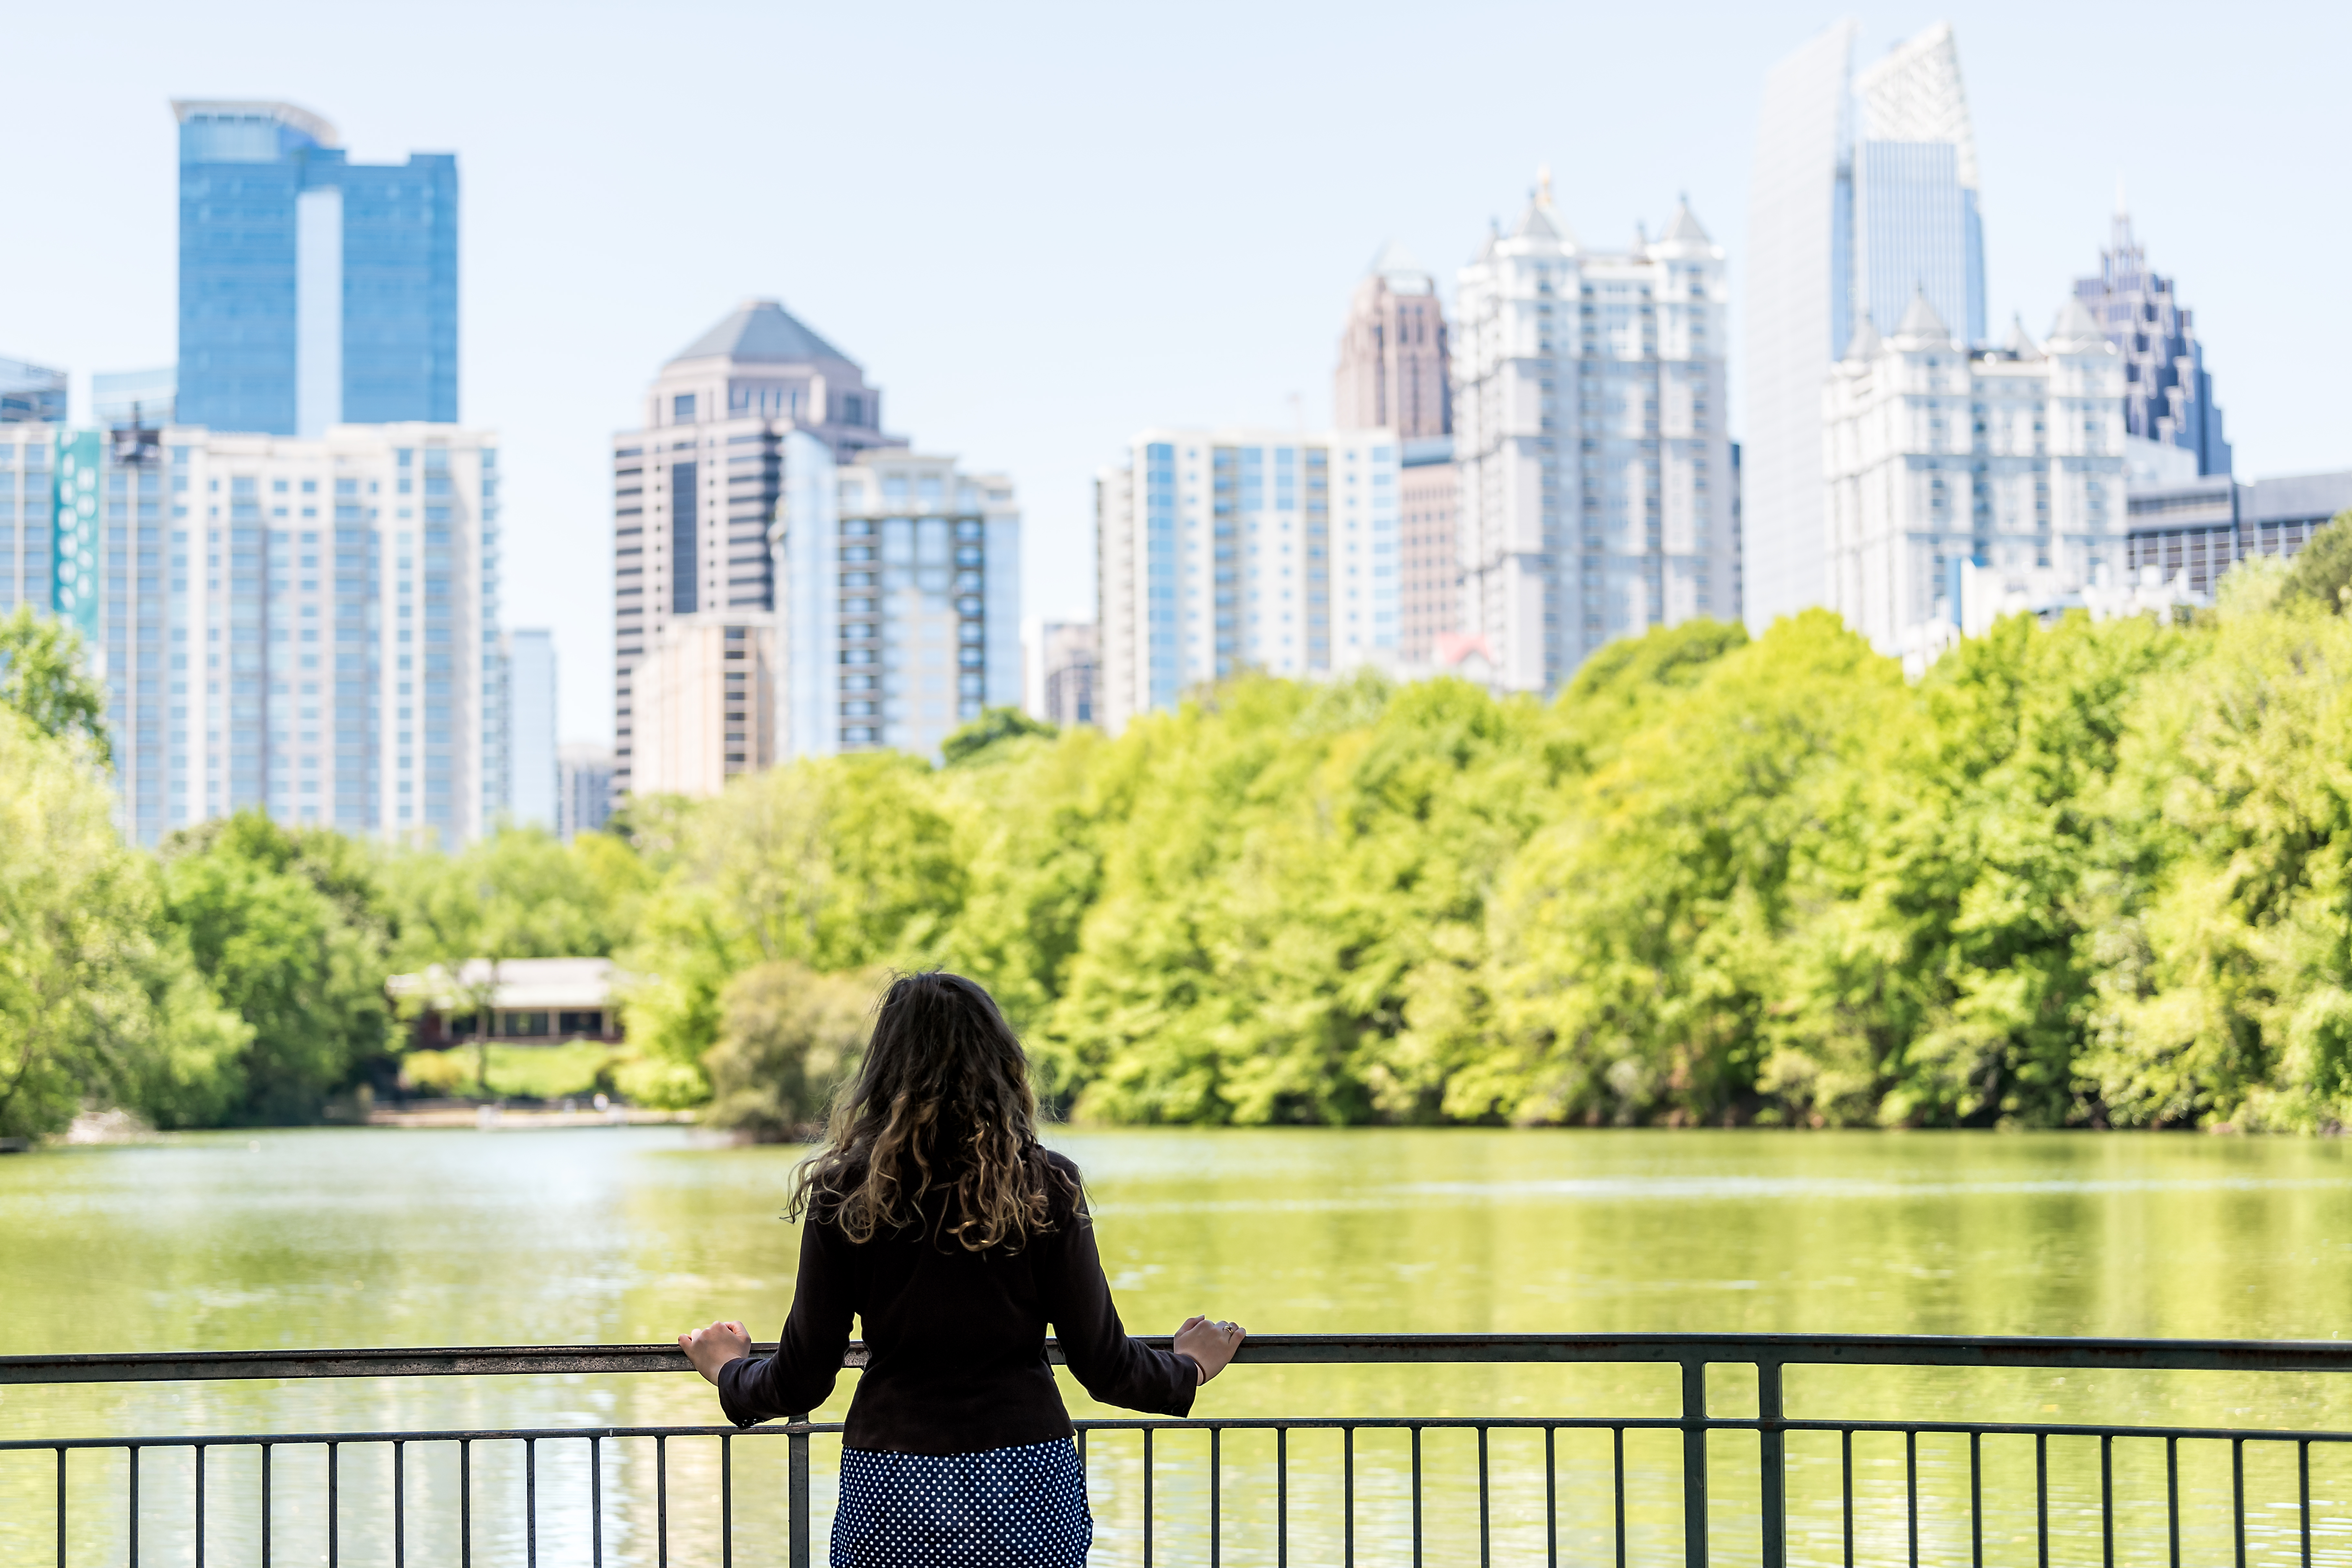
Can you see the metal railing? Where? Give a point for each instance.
(1602, 1531)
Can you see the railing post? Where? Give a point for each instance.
(1694, 1464)
(1772, 1446)
(796, 1489)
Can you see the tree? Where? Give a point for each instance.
(98, 1002)
(787, 1037)
(839, 863)
(2228, 987)
(2321, 573)
(991, 729)
(42, 677)
(288, 926)
(1638, 959)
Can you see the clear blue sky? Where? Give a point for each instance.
(1040, 228)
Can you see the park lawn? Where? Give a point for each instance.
(535, 1072)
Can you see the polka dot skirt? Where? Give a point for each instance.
(1005, 1508)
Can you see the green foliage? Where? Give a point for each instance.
(98, 1002)
(42, 677)
(2321, 573)
(288, 928)
(839, 864)
(2229, 988)
(2077, 875)
(788, 1035)
(992, 728)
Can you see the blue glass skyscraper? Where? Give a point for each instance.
(314, 291)
(1865, 196)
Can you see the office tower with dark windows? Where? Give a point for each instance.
(696, 489)
(2168, 392)
(314, 291)
(31, 393)
(1865, 194)
(1591, 441)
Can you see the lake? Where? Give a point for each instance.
(382, 1237)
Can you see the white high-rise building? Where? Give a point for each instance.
(1597, 485)
(899, 593)
(1225, 550)
(1995, 472)
(306, 626)
(1866, 193)
(531, 705)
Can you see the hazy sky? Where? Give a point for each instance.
(1040, 228)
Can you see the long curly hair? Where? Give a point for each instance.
(941, 1103)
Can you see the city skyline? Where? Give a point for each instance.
(1242, 309)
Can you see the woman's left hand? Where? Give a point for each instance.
(712, 1348)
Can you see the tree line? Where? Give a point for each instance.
(2080, 875)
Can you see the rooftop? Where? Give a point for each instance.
(761, 332)
(524, 982)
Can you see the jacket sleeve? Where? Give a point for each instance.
(1112, 1367)
(798, 1377)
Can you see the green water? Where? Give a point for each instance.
(367, 1237)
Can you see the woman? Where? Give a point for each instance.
(935, 1216)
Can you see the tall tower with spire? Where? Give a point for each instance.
(2167, 393)
(1394, 374)
(1595, 467)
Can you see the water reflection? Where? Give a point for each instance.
(601, 1235)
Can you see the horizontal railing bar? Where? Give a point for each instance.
(1828, 1350)
(1223, 1424)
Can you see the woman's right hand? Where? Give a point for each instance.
(1210, 1344)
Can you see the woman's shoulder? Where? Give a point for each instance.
(1065, 1187)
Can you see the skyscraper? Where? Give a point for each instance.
(2167, 393)
(307, 627)
(1395, 374)
(531, 698)
(899, 589)
(1588, 432)
(1917, 228)
(1392, 356)
(706, 701)
(313, 291)
(31, 393)
(1866, 194)
(1060, 673)
(1225, 550)
(583, 791)
(2008, 462)
(695, 490)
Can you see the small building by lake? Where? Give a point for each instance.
(518, 1001)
